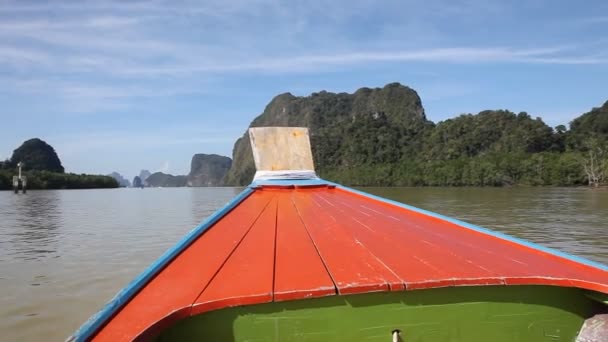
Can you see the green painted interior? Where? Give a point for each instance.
(487, 313)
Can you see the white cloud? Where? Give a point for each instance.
(342, 60)
(39, 6)
(160, 38)
(590, 60)
(19, 56)
(91, 97)
(115, 51)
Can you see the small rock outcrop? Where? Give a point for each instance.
(159, 179)
(143, 175)
(137, 183)
(36, 154)
(122, 182)
(208, 170)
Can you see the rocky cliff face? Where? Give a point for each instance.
(346, 130)
(137, 183)
(36, 154)
(159, 179)
(143, 175)
(205, 170)
(208, 170)
(122, 182)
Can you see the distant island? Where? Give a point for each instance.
(122, 182)
(208, 170)
(381, 137)
(164, 180)
(44, 170)
(140, 181)
(205, 170)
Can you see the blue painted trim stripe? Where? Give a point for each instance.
(479, 229)
(91, 326)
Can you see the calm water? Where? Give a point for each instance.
(63, 254)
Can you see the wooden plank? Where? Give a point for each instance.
(169, 296)
(247, 276)
(399, 253)
(455, 253)
(353, 268)
(299, 270)
(412, 251)
(281, 148)
(515, 263)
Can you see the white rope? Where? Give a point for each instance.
(285, 174)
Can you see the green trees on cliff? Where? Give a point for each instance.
(589, 135)
(492, 148)
(381, 136)
(37, 155)
(44, 170)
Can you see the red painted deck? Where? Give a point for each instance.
(288, 244)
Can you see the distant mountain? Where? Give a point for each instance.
(381, 137)
(122, 182)
(205, 170)
(43, 170)
(208, 170)
(159, 179)
(144, 174)
(36, 154)
(347, 130)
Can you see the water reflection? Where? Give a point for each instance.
(32, 225)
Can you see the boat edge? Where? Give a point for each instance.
(100, 318)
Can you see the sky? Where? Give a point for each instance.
(131, 85)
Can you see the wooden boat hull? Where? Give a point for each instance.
(299, 261)
(293, 259)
